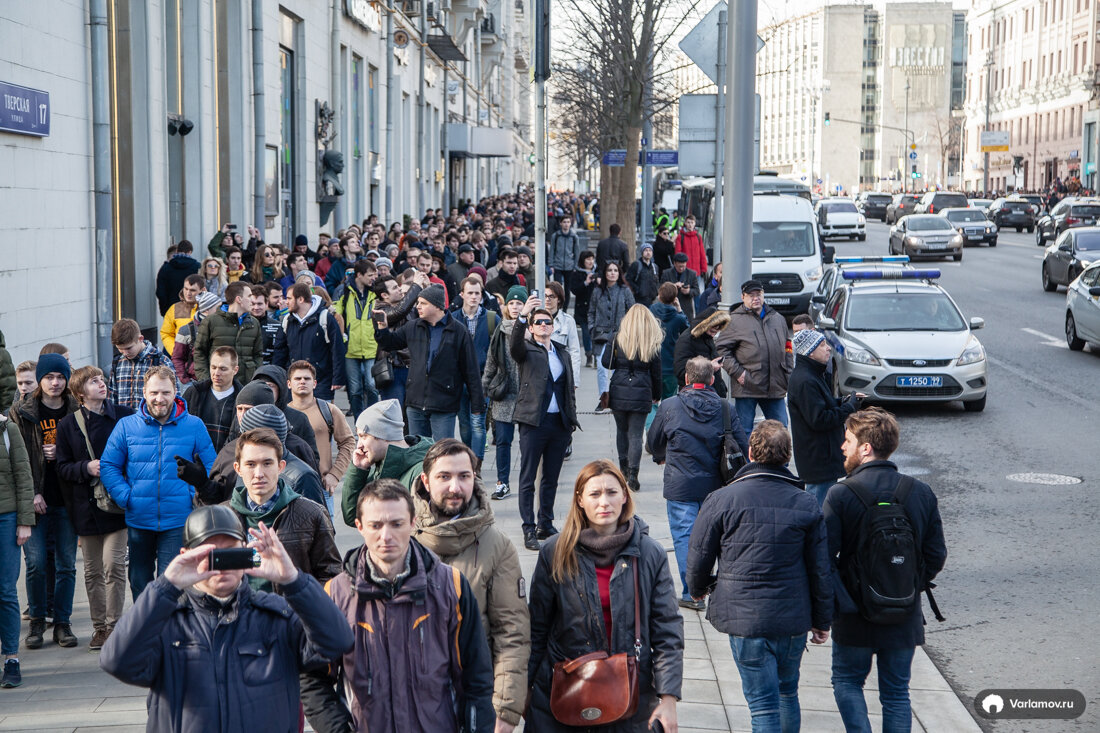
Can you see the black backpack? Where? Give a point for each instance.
(884, 575)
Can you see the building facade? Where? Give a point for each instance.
(234, 111)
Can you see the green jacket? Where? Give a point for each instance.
(403, 464)
(16, 479)
(356, 313)
(223, 328)
(8, 387)
(214, 246)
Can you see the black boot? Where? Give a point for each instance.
(34, 638)
(632, 479)
(530, 541)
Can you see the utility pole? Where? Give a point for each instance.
(647, 140)
(719, 144)
(541, 72)
(421, 116)
(905, 156)
(738, 165)
(985, 155)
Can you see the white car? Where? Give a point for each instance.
(1083, 309)
(840, 218)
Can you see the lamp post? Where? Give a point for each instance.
(904, 178)
(985, 155)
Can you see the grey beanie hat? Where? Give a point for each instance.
(384, 262)
(435, 295)
(806, 341)
(382, 420)
(265, 416)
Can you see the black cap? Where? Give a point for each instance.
(751, 286)
(465, 248)
(680, 257)
(209, 521)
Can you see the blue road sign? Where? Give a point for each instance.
(23, 110)
(662, 157)
(614, 158)
(913, 155)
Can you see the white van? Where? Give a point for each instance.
(787, 255)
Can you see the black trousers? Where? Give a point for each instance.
(545, 443)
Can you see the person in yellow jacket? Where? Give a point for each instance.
(182, 312)
(355, 306)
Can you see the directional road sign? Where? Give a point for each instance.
(913, 155)
(701, 43)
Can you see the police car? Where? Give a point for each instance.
(897, 336)
(832, 278)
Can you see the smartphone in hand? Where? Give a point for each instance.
(234, 558)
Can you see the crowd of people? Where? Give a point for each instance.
(202, 474)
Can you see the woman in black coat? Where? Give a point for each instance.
(699, 341)
(583, 600)
(103, 535)
(635, 361)
(581, 285)
(663, 249)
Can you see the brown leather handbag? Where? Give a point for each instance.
(597, 688)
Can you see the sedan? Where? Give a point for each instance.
(972, 224)
(1083, 310)
(903, 205)
(926, 235)
(1066, 214)
(1067, 258)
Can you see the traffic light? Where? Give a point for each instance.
(826, 119)
(915, 174)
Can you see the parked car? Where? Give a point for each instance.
(902, 205)
(926, 235)
(1083, 310)
(982, 204)
(972, 224)
(1014, 211)
(934, 202)
(1066, 214)
(1068, 257)
(838, 217)
(872, 204)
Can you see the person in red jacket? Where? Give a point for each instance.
(690, 242)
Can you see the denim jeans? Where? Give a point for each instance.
(681, 519)
(818, 491)
(471, 426)
(851, 665)
(603, 374)
(503, 435)
(629, 434)
(434, 425)
(769, 679)
(360, 384)
(54, 522)
(773, 409)
(150, 553)
(9, 596)
(586, 335)
(396, 389)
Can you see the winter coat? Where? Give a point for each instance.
(686, 435)
(688, 347)
(478, 549)
(72, 468)
(635, 384)
(170, 279)
(499, 360)
(219, 416)
(644, 279)
(565, 332)
(299, 474)
(404, 463)
(138, 466)
(610, 249)
(8, 386)
(25, 415)
(222, 328)
(183, 350)
(758, 348)
(843, 515)
(127, 383)
(356, 309)
(209, 668)
(296, 420)
(436, 386)
(582, 296)
(817, 422)
(673, 322)
(768, 538)
(563, 250)
(420, 660)
(485, 323)
(663, 249)
(306, 338)
(567, 622)
(534, 380)
(689, 278)
(178, 316)
(691, 244)
(16, 479)
(606, 311)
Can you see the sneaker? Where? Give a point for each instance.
(34, 637)
(568, 451)
(98, 638)
(693, 605)
(545, 533)
(27, 614)
(12, 676)
(501, 491)
(63, 635)
(530, 541)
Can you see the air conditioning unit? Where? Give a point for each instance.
(433, 11)
(411, 8)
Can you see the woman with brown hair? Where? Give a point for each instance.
(265, 267)
(584, 598)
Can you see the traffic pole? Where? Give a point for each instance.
(719, 144)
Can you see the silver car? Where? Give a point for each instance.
(899, 337)
(926, 235)
(1083, 309)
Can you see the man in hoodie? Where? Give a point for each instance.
(382, 450)
(180, 314)
(212, 400)
(562, 252)
(172, 273)
(453, 520)
(643, 276)
(310, 332)
(696, 417)
(139, 472)
(233, 327)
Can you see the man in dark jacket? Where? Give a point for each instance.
(817, 418)
(442, 362)
(686, 282)
(773, 581)
(172, 273)
(310, 332)
(687, 436)
(562, 252)
(870, 438)
(212, 400)
(267, 318)
(643, 276)
(612, 248)
(246, 676)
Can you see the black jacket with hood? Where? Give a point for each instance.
(170, 279)
(306, 338)
(817, 422)
(296, 420)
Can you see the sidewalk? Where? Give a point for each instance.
(64, 689)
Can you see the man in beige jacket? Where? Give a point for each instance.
(328, 423)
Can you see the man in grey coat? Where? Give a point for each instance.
(562, 252)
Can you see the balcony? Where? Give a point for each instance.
(469, 141)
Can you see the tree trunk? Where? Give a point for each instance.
(626, 206)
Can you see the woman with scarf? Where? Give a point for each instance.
(214, 276)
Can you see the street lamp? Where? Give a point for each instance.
(815, 93)
(904, 179)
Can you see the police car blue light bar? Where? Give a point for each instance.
(857, 260)
(891, 274)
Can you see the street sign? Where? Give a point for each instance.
(645, 141)
(912, 146)
(701, 43)
(994, 141)
(913, 156)
(661, 157)
(614, 158)
(25, 111)
(697, 134)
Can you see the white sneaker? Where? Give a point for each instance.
(501, 491)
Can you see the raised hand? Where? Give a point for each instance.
(275, 563)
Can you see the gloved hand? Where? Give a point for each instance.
(193, 473)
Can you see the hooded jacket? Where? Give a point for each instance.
(606, 311)
(402, 463)
(420, 660)
(691, 244)
(689, 346)
(72, 468)
(644, 279)
(304, 338)
(170, 279)
(673, 322)
(563, 250)
(687, 436)
(296, 420)
(635, 385)
(218, 418)
(8, 386)
(178, 316)
(356, 309)
(16, 481)
(222, 328)
(757, 348)
(138, 466)
(298, 474)
(24, 414)
(475, 546)
(817, 422)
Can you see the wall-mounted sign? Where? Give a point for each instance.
(24, 111)
(994, 141)
(918, 57)
(365, 14)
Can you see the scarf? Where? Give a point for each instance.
(604, 549)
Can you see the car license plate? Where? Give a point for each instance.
(935, 245)
(777, 301)
(919, 381)
(973, 236)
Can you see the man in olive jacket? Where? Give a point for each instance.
(235, 327)
(453, 520)
(756, 353)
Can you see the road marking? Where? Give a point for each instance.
(1048, 340)
(1039, 384)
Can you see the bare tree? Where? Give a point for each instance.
(947, 130)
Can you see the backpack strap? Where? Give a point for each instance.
(901, 493)
(79, 417)
(861, 492)
(326, 413)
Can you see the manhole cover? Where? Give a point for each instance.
(1047, 479)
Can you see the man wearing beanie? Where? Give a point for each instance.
(643, 276)
(381, 451)
(37, 416)
(442, 361)
(817, 417)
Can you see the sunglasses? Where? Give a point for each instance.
(543, 322)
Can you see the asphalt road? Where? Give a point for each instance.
(1021, 589)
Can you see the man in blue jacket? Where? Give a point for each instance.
(244, 677)
(138, 469)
